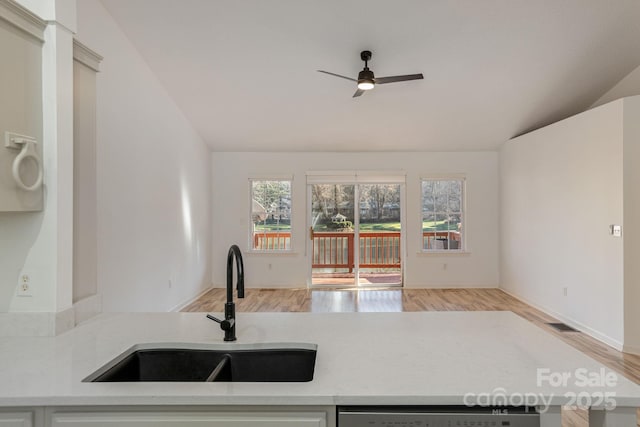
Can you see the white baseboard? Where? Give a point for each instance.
(182, 305)
(572, 322)
(42, 324)
(27, 324)
(631, 349)
(48, 324)
(64, 320)
(87, 308)
(451, 286)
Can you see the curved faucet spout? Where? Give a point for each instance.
(228, 325)
(234, 252)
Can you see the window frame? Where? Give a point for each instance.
(251, 233)
(462, 248)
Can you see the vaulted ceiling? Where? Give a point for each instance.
(244, 72)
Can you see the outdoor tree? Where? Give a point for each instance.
(379, 196)
(333, 199)
(274, 198)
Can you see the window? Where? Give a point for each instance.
(442, 214)
(270, 215)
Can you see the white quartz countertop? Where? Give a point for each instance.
(420, 358)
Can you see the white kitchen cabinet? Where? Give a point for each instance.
(16, 419)
(189, 419)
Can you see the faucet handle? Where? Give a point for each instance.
(225, 325)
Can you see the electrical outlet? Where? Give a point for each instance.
(616, 231)
(565, 291)
(25, 284)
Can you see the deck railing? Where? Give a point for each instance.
(332, 250)
(379, 249)
(441, 240)
(270, 240)
(336, 249)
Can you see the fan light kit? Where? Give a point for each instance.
(367, 80)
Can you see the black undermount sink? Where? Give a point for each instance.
(193, 363)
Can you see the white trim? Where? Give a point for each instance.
(86, 56)
(356, 235)
(632, 349)
(36, 324)
(271, 252)
(464, 215)
(403, 233)
(26, 324)
(438, 252)
(443, 176)
(571, 322)
(357, 177)
(87, 308)
(452, 285)
(271, 177)
(250, 234)
(330, 172)
(356, 183)
(183, 305)
(65, 320)
(308, 213)
(22, 19)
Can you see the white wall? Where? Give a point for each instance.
(231, 172)
(63, 11)
(628, 86)
(631, 229)
(45, 9)
(561, 188)
(153, 181)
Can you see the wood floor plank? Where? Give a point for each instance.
(575, 417)
(396, 300)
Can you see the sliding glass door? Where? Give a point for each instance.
(355, 235)
(380, 229)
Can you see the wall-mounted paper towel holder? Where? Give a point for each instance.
(27, 146)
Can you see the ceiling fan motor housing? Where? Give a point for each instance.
(365, 75)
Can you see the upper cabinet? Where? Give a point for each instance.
(21, 116)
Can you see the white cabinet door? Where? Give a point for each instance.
(190, 419)
(16, 419)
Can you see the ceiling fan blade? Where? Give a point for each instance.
(358, 93)
(337, 75)
(394, 79)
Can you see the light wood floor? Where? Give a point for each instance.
(396, 300)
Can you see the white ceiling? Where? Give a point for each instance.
(244, 71)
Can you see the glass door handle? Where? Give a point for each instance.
(311, 233)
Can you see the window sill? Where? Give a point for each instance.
(445, 253)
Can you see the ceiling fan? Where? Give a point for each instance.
(367, 81)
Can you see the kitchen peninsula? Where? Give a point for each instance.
(425, 358)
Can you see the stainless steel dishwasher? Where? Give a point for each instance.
(437, 416)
